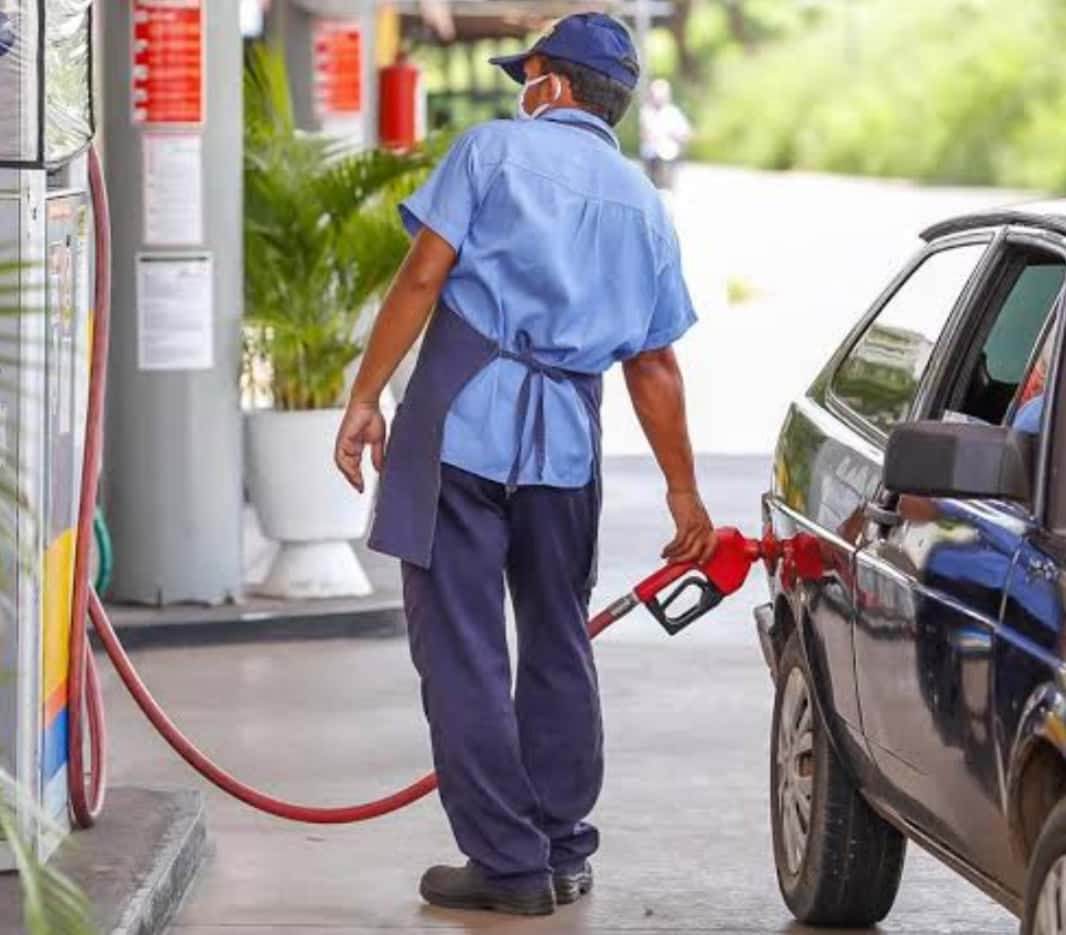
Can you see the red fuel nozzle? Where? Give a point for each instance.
(708, 583)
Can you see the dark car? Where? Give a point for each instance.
(915, 633)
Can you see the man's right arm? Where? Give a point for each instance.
(400, 321)
(657, 390)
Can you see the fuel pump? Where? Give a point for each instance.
(46, 123)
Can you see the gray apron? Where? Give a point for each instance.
(454, 352)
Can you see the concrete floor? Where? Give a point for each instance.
(134, 865)
(684, 812)
(813, 251)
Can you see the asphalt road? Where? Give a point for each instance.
(812, 252)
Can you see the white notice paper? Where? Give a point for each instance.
(173, 189)
(175, 320)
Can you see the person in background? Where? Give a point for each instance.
(664, 133)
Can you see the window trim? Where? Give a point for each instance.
(976, 315)
(1008, 238)
(974, 286)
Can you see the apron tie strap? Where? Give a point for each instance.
(536, 371)
(453, 352)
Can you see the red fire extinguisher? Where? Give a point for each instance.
(402, 108)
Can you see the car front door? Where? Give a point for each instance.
(1029, 647)
(931, 578)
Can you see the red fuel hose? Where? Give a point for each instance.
(84, 692)
(229, 783)
(83, 687)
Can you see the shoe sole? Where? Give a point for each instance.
(573, 888)
(544, 906)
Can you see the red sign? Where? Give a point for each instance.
(168, 62)
(338, 46)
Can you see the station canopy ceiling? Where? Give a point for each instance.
(445, 21)
(473, 20)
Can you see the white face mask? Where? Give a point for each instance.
(520, 110)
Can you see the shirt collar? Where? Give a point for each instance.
(577, 117)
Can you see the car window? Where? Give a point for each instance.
(880, 376)
(997, 370)
(1014, 335)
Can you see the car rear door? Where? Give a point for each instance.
(931, 578)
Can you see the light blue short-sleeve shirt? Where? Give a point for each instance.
(561, 237)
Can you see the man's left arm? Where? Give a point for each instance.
(657, 391)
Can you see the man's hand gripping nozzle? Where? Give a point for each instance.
(703, 585)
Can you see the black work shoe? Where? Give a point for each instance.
(570, 887)
(468, 888)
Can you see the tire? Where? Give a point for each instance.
(842, 866)
(1045, 881)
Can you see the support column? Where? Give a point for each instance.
(172, 464)
(293, 24)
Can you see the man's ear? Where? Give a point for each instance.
(566, 92)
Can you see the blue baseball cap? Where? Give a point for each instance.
(595, 40)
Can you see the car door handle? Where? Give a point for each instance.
(881, 515)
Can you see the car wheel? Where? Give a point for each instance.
(1045, 884)
(838, 862)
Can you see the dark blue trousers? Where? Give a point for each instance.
(518, 773)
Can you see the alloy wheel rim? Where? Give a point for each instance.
(1051, 906)
(795, 769)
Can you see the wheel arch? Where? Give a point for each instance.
(791, 616)
(1036, 779)
(784, 624)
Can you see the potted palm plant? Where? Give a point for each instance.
(322, 240)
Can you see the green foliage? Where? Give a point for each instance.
(52, 904)
(713, 36)
(962, 91)
(322, 239)
(739, 291)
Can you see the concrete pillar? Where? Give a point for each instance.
(172, 464)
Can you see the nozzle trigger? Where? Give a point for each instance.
(709, 598)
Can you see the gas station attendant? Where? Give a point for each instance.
(541, 256)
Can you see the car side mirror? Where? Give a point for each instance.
(960, 459)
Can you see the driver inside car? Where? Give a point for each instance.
(1029, 408)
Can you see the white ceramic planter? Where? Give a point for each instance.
(304, 503)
